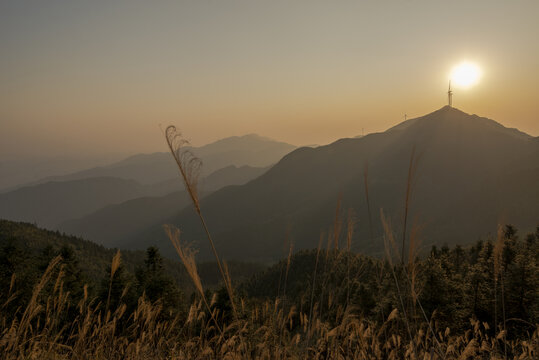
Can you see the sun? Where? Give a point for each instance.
(465, 74)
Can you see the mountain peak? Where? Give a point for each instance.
(452, 117)
(449, 111)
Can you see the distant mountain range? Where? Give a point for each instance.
(15, 173)
(472, 173)
(50, 203)
(252, 150)
(56, 200)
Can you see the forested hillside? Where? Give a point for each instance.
(492, 281)
(474, 302)
(26, 250)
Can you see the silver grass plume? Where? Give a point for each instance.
(188, 164)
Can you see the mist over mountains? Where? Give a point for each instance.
(54, 200)
(15, 173)
(252, 150)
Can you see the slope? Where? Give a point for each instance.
(472, 173)
(116, 224)
(94, 259)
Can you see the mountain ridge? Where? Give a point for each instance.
(253, 150)
(465, 161)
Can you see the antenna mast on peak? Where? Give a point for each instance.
(450, 95)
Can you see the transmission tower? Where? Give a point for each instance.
(450, 95)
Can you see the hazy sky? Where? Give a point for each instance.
(96, 77)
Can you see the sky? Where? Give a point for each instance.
(91, 78)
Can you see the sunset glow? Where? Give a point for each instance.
(465, 74)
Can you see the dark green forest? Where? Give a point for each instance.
(493, 282)
(26, 250)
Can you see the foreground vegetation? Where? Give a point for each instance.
(326, 303)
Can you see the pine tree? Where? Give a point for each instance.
(156, 285)
(481, 283)
(521, 279)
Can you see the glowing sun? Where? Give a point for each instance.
(465, 74)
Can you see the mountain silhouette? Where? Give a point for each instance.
(472, 174)
(115, 224)
(52, 202)
(252, 150)
(103, 207)
(112, 225)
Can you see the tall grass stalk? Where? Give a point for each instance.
(288, 259)
(349, 234)
(189, 166)
(286, 251)
(409, 180)
(337, 223)
(115, 264)
(498, 277)
(187, 256)
(389, 240)
(366, 185)
(313, 286)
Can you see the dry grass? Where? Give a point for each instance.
(189, 166)
(263, 331)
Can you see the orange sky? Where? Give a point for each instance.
(98, 77)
